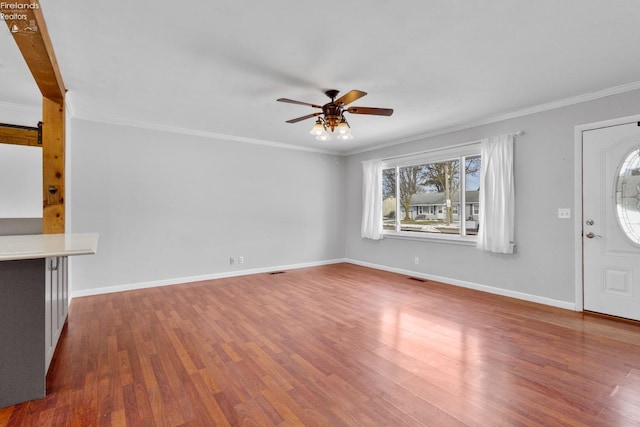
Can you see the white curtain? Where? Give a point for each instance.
(372, 199)
(497, 199)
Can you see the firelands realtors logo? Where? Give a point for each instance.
(15, 11)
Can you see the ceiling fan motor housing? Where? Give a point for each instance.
(332, 114)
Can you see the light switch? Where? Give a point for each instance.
(564, 213)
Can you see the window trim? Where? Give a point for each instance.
(457, 152)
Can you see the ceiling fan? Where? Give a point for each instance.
(332, 114)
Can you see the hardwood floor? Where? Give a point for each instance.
(340, 345)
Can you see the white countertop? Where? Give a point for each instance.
(33, 246)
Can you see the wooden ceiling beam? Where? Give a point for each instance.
(25, 21)
(53, 166)
(20, 135)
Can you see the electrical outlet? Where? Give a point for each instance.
(231, 261)
(564, 213)
(416, 260)
(240, 260)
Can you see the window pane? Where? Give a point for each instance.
(472, 194)
(429, 197)
(389, 199)
(627, 199)
(426, 194)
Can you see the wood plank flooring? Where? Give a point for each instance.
(339, 345)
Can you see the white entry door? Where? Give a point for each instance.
(611, 220)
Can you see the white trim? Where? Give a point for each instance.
(441, 154)
(616, 90)
(200, 278)
(19, 107)
(577, 222)
(454, 282)
(418, 154)
(68, 103)
(200, 133)
(454, 239)
(577, 203)
(470, 285)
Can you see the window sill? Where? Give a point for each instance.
(454, 240)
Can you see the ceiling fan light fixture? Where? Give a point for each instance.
(318, 128)
(324, 137)
(343, 126)
(345, 136)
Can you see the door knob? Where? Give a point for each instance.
(590, 235)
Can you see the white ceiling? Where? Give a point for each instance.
(218, 67)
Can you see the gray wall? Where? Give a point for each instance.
(20, 177)
(20, 181)
(544, 177)
(13, 226)
(170, 206)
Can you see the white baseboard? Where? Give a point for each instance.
(471, 285)
(200, 278)
(464, 284)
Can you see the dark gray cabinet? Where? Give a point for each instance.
(56, 304)
(34, 299)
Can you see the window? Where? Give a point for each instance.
(628, 196)
(423, 195)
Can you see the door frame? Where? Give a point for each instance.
(577, 203)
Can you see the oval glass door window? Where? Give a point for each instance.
(628, 196)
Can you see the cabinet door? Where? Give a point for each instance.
(66, 288)
(55, 297)
(63, 292)
(56, 303)
(59, 291)
(49, 291)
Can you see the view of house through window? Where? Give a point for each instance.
(436, 198)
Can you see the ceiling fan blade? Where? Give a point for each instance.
(291, 101)
(299, 119)
(350, 96)
(369, 110)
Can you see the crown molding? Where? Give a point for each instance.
(591, 96)
(21, 107)
(20, 114)
(629, 87)
(199, 133)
